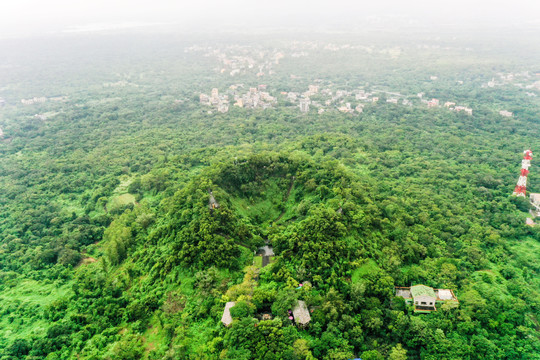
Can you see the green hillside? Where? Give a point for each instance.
(133, 214)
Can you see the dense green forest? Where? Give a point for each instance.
(109, 248)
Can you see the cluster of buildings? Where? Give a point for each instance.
(508, 78)
(300, 314)
(219, 102)
(254, 98)
(236, 59)
(426, 299)
(119, 83)
(452, 106)
(341, 100)
(235, 65)
(347, 108)
(35, 100)
(302, 48)
(523, 80)
(323, 99)
(458, 108)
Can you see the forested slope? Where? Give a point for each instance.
(109, 248)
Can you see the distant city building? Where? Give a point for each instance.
(204, 99)
(314, 89)
(255, 99)
(266, 96)
(433, 103)
(326, 92)
(304, 105)
(505, 113)
(59, 98)
(220, 103)
(392, 101)
(346, 108)
(341, 93)
(223, 107)
(292, 96)
(361, 96)
(35, 100)
(466, 110)
(2, 102)
(449, 104)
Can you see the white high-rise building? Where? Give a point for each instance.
(304, 105)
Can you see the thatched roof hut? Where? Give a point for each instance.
(301, 314)
(226, 319)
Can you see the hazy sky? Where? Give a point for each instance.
(42, 16)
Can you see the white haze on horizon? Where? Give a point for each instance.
(32, 17)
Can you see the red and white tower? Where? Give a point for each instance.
(522, 181)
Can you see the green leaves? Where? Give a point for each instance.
(316, 243)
